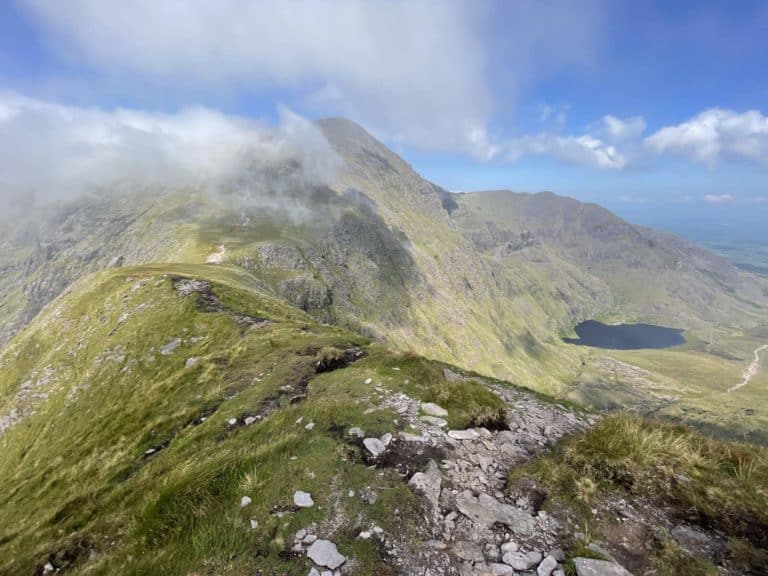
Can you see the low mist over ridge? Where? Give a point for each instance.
(88, 150)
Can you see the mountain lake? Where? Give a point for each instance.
(625, 336)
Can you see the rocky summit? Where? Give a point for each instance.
(382, 385)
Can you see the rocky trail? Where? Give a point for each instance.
(477, 523)
(472, 525)
(751, 370)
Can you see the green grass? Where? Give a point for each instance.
(717, 484)
(80, 491)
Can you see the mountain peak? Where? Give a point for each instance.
(346, 135)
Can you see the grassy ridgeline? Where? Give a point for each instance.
(125, 461)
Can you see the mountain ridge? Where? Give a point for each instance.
(493, 282)
(368, 375)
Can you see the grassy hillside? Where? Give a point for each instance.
(141, 407)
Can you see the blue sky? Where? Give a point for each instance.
(629, 104)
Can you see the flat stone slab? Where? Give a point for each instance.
(468, 434)
(406, 437)
(324, 553)
(486, 511)
(592, 567)
(432, 409)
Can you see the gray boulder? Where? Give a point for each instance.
(303, 499)
(468, 434)
(428, 483)
(435, 421)
(522, 560)
(547, 566)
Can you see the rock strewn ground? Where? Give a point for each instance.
(470, 527)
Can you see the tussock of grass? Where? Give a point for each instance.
(671, 560)
(720, 485)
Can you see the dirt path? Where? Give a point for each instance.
(750, 370)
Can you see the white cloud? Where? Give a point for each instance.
(417, 72)
(413, 68)
(718, 198)
(585, 149)
(714, 134)
(55, 151)
(621, 130)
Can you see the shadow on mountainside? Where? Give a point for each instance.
(336, 258)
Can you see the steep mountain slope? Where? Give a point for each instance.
(651, 275)
(488, 281)
(43, 251)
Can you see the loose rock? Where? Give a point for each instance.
(522, 560)
(435, 421)
(501, 569)
(428, 483)
(486, 511)
(467, 550)
(547, 566)
(303, 499)
(324, 553)
(374, 446)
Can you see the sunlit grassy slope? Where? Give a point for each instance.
(124, 460)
